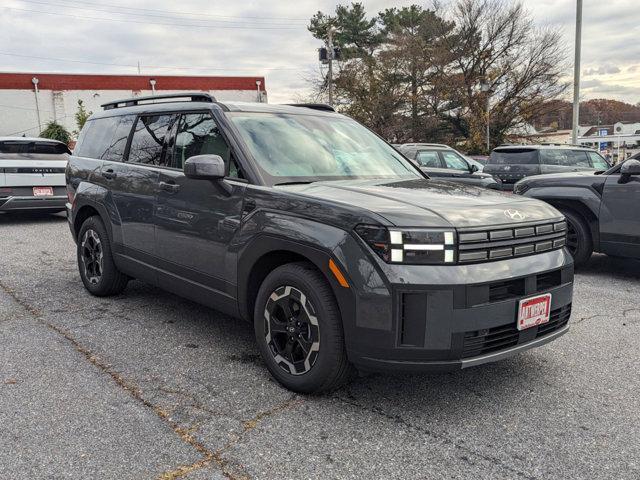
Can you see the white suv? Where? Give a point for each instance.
(32, 174)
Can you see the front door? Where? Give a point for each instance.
(197, 219)
(620, 217)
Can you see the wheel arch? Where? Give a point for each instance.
(583, 211)
(265, 253)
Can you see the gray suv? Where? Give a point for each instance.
(339, 250)
(512, 163)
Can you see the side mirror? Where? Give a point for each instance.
(205, 167)
(628, 168)
(473, 168)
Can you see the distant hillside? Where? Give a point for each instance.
(600, 111)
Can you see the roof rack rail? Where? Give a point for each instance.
(315, 106)
(131, 102)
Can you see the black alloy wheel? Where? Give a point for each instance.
(92, 256)
(291, 330)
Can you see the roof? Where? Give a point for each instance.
(75, 81)
(29, 140)
(543, 147)
(185, 105)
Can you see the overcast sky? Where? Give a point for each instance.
(265, 37)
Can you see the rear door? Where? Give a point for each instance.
(513, 164)
(620, 216)
(431, 162)
(134, 184)
(197, 219)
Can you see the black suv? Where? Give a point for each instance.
(442, 161)
(339, 250)
(512, 163)
(601, 209)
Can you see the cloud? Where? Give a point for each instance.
(603, 70)
(276, 44)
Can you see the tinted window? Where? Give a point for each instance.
(564, 158)
(31, 147)
(148, 144)
(454, 161)
(597, 161)
(95, 140)
(115, 152)
(426, 158)
(198, 134)
(519, 156)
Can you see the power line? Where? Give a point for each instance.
(243, 22)
(165, 67)
(198, 14)
(84, 17)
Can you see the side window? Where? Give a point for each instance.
(452, 160)
(115, 152)
(96, 137)
(565, 158)
(148, 144)
(598, 162)
(428, 159)
(198, 134)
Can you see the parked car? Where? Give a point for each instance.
(32, 174)
(443, 162)
(338, 249)
(511, 163)
(601, 209)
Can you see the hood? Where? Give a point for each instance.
(562, 176)
(430, 203)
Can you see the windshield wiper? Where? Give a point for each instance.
(293, 183)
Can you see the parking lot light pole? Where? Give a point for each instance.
(330, 33)
(576, 74)
(486, 88)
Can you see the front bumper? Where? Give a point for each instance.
(434, 318)
(14, 203)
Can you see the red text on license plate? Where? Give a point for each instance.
(534, 311)
(42, 191)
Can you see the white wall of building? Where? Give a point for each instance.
(19, 115)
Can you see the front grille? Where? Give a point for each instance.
(481, 342)
(517, 241)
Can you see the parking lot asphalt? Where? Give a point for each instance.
(148, 385)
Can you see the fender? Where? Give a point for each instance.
(98, 197)
(584, 195)
(268, 232)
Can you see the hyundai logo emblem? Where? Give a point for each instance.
(515, 214)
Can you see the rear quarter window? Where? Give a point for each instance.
(516, 156)
(105, 138)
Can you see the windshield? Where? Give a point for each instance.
(519, 156)
(306, 148)
(31, 147)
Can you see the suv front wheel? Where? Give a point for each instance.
(299, 330)
(579, 240)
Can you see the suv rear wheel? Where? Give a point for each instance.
(299, 330)
(579, 240)
(98, 272)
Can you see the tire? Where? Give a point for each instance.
(579, 241)
(317, 360)
(98, 271)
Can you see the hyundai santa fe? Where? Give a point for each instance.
(339, 250)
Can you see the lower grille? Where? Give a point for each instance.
(481, 342)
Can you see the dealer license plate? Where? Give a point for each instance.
(534, 311)
(42, 191)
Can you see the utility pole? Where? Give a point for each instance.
(330, 59)
(35, 82)
(576, 74)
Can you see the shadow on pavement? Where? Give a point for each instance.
(611, 267)
(26, 218)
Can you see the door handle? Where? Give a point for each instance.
(169, 187)
(109, 174)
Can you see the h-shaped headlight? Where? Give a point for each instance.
(417, 246)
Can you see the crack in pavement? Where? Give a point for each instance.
(440, 437)
(185, 434)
